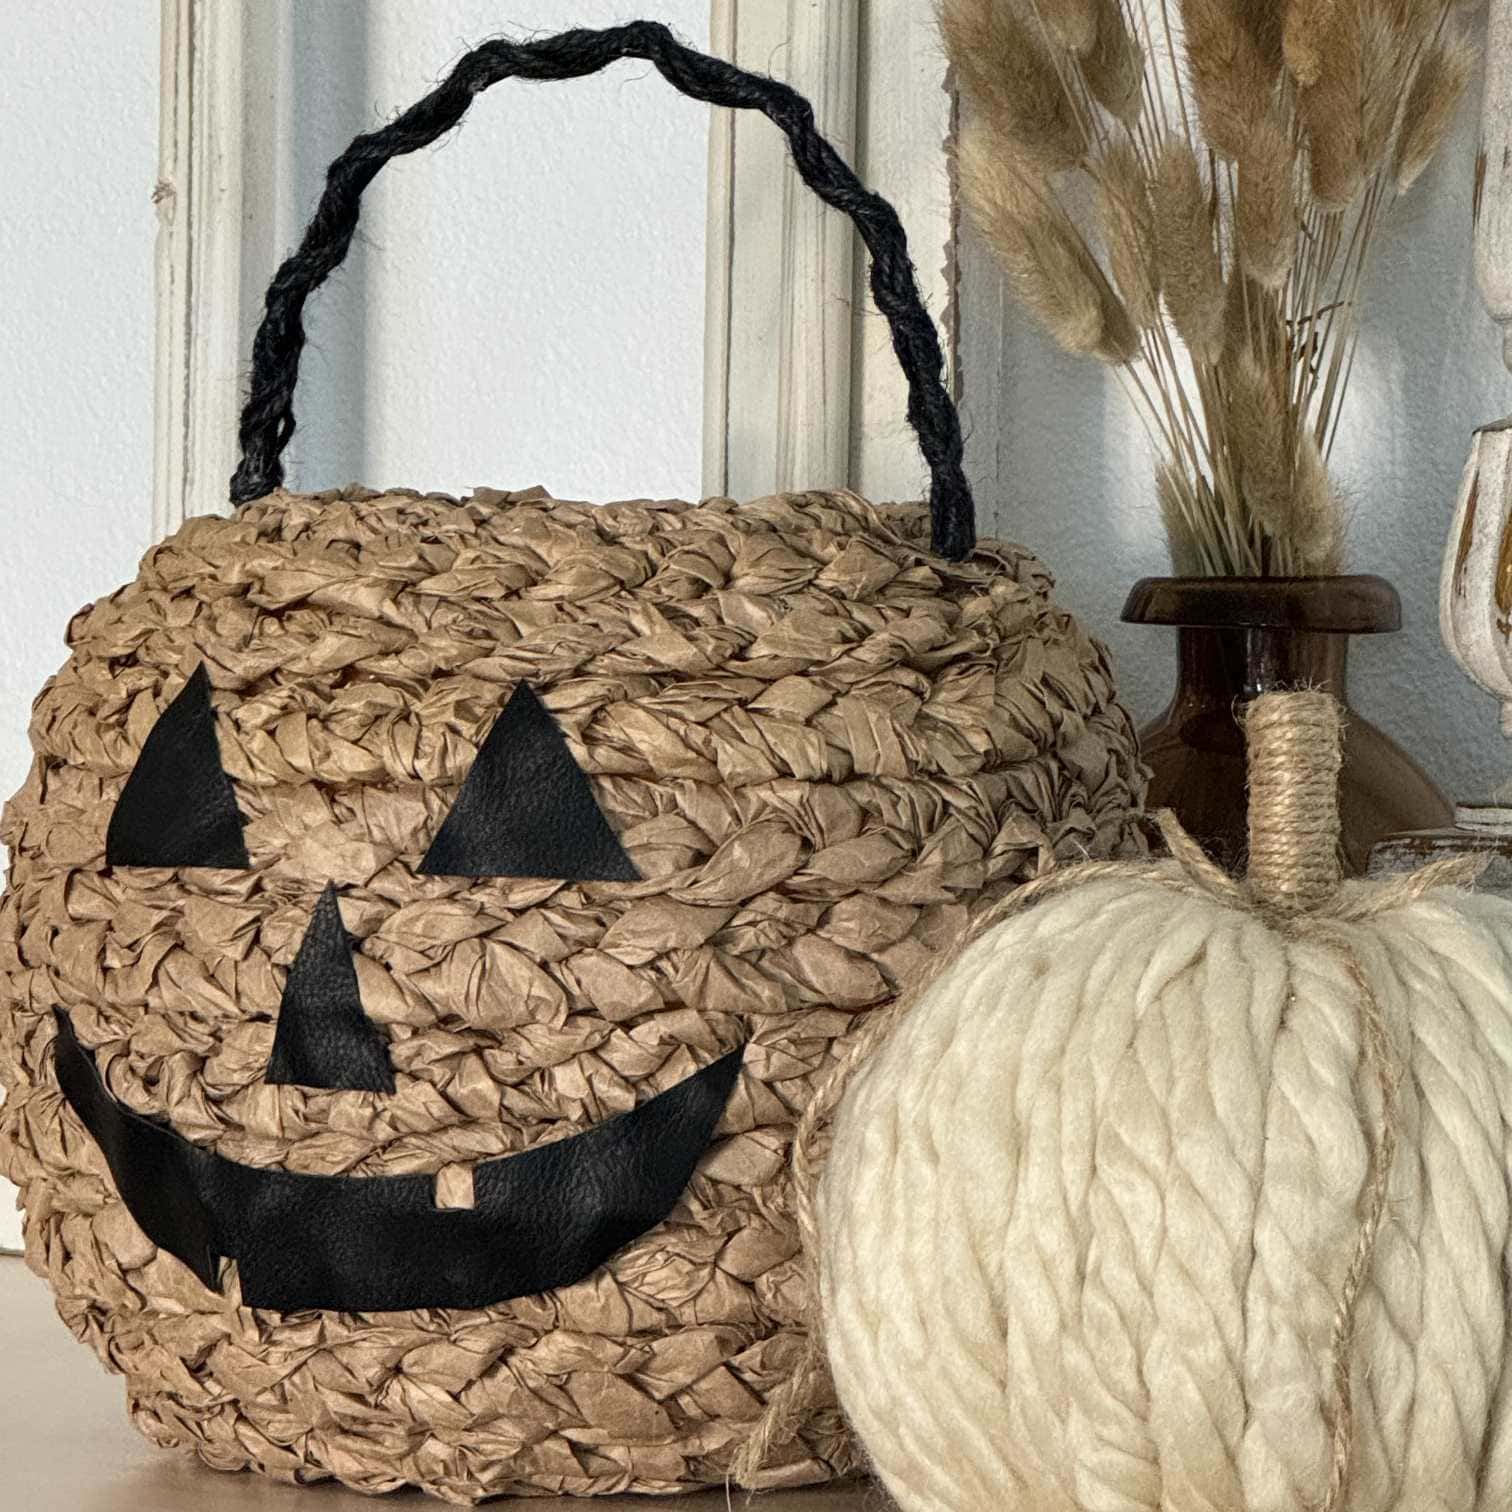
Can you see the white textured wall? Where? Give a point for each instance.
(1060, 463)
(78, 120)
(78, 117)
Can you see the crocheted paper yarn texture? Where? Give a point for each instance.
(820, 744)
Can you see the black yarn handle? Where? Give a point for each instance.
(267, 420)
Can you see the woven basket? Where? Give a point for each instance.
(815, 735)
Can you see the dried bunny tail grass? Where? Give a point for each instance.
(1253, 320)
(1259, 429)
(1233, 82)
(1071, 23)
(1114, 68)
(1303, 36)
(1279, 470)
(1186, 536)
(1354, 110)
(1005, 69)
(1262, 20)
(1191, 276)
(1330, 103)
(1265, 208)
(1431, 106)
(1396, 36)
(1384, 72)
(1043, 254)
(1415, 21)
(1243, 315)
(1128, 226)
(1316, 526)
(1335, 147)
(1399, 36)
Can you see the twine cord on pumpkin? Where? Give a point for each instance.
(267, 420)
(1383, 1059)
(1294, 744)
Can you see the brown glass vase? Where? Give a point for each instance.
(1239, 637)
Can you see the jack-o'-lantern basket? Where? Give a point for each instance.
(427, 918)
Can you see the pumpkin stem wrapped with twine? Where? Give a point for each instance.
(1294, 749)
(1295, 883)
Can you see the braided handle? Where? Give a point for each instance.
(267, 420)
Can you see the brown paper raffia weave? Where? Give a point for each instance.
(820, 744)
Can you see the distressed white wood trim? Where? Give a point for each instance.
(1493, 177)
(718, 243)
(906, 118)
(780, 262)
(801, 387)
(213, 57)
(819, 255)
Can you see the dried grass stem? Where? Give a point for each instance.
(1239, 164)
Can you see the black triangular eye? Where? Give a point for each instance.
(178, 807)
(324, 1038)
(527, 810)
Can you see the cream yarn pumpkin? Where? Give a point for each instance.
(1175, 1193)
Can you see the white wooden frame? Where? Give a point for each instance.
(801, 388)
(199, 200)
(222, 212)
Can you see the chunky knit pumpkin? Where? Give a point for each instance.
(1171, 1191)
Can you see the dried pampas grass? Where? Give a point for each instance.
(1005, 67)
(1232, 78)
(1128, 227)
(1430, 108)
(1186, 255)
(1047, 261)
(1265, 208)
(1114, 69)
(1304, 34)
(1240, 153)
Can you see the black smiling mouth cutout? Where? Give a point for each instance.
(541, 1219)
(544, 1218)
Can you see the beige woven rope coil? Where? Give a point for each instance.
(1294, 752)
(824, 748)
(1166, 1191)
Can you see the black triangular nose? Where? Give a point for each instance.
(324, 1038)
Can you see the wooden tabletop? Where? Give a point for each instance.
(65, 1444)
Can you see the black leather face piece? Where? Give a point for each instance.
(157, 1172)
(178, 807)
(527, 809)
(324, 1038)
(542, 1219)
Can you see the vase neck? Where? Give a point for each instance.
(1238, 663)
